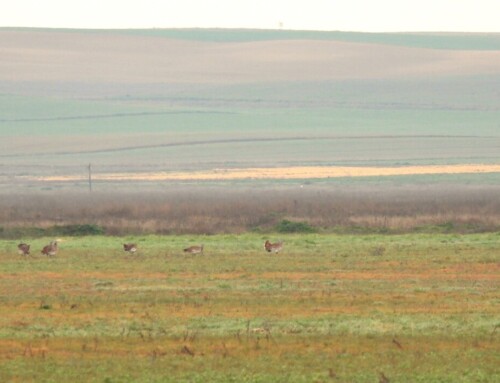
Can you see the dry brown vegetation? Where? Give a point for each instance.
(218, 209)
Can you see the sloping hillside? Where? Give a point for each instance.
(165, 100)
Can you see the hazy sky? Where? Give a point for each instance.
(347, 15)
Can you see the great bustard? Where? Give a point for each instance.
(276, 247)
(51, 249)
(130, 247)
(194, 249)
(23, 249)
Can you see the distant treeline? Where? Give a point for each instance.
(210, 210)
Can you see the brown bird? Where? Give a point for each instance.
(51, 249)
(194, 249)
(23, 249)
(276, 247)
(130, 247)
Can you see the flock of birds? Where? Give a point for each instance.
(51, 249)
(270, 247)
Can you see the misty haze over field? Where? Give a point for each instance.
(135, 101)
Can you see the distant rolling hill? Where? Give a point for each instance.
(60, 56)
(164, 100)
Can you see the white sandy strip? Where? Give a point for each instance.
(299, 172)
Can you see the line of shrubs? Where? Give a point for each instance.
(283, 226)
(52, 231)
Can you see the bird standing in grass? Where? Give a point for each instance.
(130, 247)
(51, 249)
(23, 249)
(276, 247)
(194, 250)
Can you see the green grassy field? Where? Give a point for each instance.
(144, 133)
(415, 308)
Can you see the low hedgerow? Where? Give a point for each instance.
(286, 226)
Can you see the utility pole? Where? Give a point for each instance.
(90, 177)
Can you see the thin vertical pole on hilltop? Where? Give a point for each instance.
(90, 177)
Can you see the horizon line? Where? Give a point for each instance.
(250, 29)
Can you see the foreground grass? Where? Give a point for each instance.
(419, 308)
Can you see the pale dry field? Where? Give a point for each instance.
(299, 172)
(34, 55)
